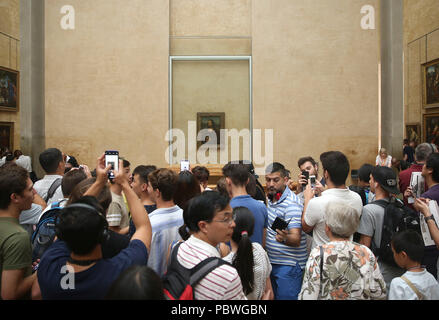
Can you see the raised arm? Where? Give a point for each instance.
(138, 212)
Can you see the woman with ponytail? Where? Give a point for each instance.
(250, 259)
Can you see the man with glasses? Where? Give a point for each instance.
(286, 248)
(210, 221)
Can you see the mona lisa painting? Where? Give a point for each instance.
(210, 123)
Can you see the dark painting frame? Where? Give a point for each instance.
(7, 135)
(431, 128)
(9, 89)
(413, 132)
(431, 84)
(218, 120)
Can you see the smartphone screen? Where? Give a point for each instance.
(184, 165)
(112, 158)
(313, 181)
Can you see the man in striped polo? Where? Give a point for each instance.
(286, 248)
(210, 221)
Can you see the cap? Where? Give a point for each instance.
(386, 178)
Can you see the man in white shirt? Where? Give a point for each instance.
(23, 161)
(335, 171)
(166, 219)
(52, 161)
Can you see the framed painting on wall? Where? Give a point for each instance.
(7, 135)
(9, 89)
(212, 122)
(431, 128)
(431, 84)
(413, 132)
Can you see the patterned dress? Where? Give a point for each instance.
(350, 272)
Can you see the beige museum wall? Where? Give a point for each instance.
(10, 53)
(315, 79)
(421, 45)
(107, 80)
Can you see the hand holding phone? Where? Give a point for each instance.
(313, 181)
(112, 158)
(305, 177)
(280, 224)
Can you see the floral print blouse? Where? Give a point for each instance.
(350, 272)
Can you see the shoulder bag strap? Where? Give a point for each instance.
(203, 268)
(412, 286)
(55, 184)
(321, 270)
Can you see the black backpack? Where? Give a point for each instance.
(397, 217)
(44, 233)
(179, 282)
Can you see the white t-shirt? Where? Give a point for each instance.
(25, 162)
(424, 281)
(261, 269)
(315, 212)
(42, 188)
(385, 163)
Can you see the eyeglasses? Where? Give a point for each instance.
(228, 220)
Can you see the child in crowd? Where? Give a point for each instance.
(417, 283)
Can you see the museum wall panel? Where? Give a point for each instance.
(107, 80)
(316, 79)
(421, 46)
(9, 56)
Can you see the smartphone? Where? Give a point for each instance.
(306, 175)
(184, 165)
(112, 157)
(280, 224)
(313, 181)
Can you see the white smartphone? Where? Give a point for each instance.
(112, 157)
(184, 165)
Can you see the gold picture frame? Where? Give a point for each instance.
(9, 89)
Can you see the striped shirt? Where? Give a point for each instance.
(117, 214)
(289, 208)
(164, 223)
(223, 283)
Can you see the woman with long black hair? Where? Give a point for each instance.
(250, 259)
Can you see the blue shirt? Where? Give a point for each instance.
(132, 228)
(289, 208)
(91, 284)
(165, 223)
(259, 211)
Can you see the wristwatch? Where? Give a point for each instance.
(429, 218)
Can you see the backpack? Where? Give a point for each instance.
(397, 217)
(44, 233)
(179, 282)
